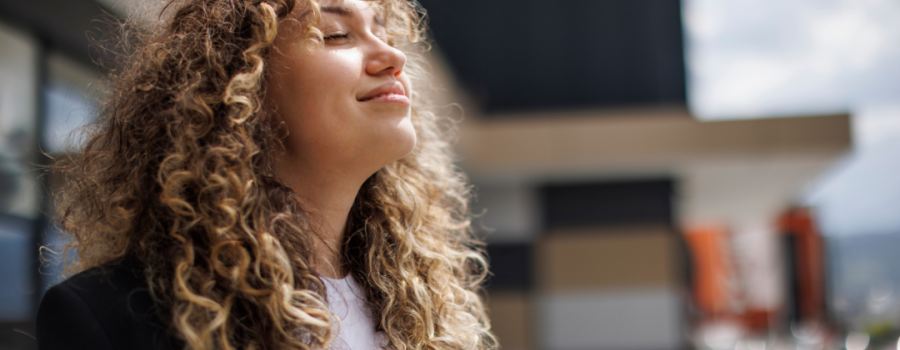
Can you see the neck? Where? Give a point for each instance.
(328, 199)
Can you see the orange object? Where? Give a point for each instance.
(756, 321)
(712, 270)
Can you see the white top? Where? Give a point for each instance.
(347, 301)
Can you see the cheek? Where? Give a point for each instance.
(329, 86)
(334, 70)
(323, 85)
(321, 108)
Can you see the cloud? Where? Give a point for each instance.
(751, 59)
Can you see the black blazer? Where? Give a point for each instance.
(103, 308)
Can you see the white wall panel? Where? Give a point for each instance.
(617, 320)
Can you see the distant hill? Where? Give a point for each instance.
(863, 268)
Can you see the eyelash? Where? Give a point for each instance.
(347, 35)
(337, 36)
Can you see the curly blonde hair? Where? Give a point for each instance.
(178, 173)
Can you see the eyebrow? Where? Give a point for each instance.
(338, 10)
(345, 12)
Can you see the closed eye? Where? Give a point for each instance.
(337, 36)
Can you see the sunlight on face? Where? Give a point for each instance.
(346, 105)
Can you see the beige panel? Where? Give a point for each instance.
(637, 139)
(609, 258)
(511, 321)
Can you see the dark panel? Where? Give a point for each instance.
(792, 290)
(525, 54)
(510, 265)
(61, 24)
(608, 203)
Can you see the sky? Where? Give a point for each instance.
(773, 58)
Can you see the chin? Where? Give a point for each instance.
(390, 145)
(406, 140)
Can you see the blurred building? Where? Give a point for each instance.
(615, 219)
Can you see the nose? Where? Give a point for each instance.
(385, 59)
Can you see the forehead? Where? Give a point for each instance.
(355, 10)
(348, 8)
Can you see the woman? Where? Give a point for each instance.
(251, 155)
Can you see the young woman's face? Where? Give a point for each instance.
(346, 105)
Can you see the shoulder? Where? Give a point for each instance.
(106, 307)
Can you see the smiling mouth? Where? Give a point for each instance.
(388, 97)
(391, 91)
(378, 96)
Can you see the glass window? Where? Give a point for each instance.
(18, 177)
(71, 98)
(18, 108)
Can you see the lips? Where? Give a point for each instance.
(389, 92)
